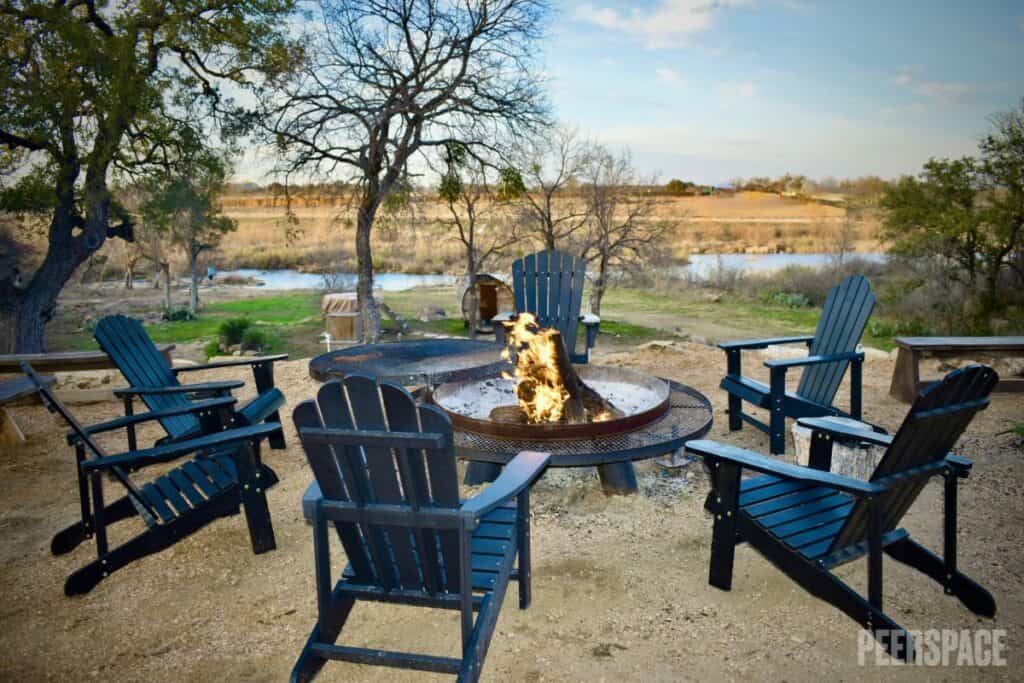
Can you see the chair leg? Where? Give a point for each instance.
(523, 574)
(777, 417)
(973, 596)
(733, 368)
(68, 539)
(723, 538)
(309, 663)
(263, 373)
(254, 500)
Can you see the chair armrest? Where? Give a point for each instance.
(844, 432)
(128, 420)
(760, 463)
(225, 385)
(504, 317)
(813, 360)
(253, 360)
(960, 465)
(764, 343)
(149, 456)
(590, 319)
(520, 473)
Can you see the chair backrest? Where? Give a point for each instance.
(843, 319)
(125, 340)
(549, 284)
(93, 449)
(936, 420)
(412, 556)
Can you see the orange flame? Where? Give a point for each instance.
(541, 391)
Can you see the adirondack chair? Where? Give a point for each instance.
(549, 284)
(386, 479)
(833, 346)
(154, 381)
(807, 521)
(178, 503)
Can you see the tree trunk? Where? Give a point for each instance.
(129, 275)
(22, 319)
(165, 271)
(364, 259)
(474, 293)
(600, 285)
(193, 294)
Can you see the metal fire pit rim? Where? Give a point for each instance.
(559, 431)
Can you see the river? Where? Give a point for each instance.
(700, 266)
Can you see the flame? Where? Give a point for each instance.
(541, 391)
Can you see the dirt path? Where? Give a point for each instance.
(620, 584)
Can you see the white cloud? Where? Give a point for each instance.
(743, 90)
(670, 24)
(669, 75)
(948, 91)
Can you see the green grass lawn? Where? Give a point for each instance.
(292, 322)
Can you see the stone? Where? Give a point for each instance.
(430, 313)
(658, 345)
(779, 351)
(848, 459)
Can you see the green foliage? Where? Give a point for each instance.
(177, 314)
(679, 187)
(878, 327)
(231, 331)
(968, 211)
(211, 349)
(253, 340)
(510, 184)
(787, 299)
(1018, 429)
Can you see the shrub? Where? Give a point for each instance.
(231, 331)
(178, 314)
(788, 299)
(253, 340)
(212, 349)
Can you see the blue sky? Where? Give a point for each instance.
(709, 90)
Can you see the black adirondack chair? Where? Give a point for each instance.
(833, 346)
(156, 383)
(549, 284)
(386, 479)
(227, 475)
(807, 521)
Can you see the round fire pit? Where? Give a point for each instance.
(640, 397)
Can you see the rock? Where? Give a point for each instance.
(251, 353)
(658, 345)
(1009, 367)
(871, 353)
(778, 351)
(430, 313)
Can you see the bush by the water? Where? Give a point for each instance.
(231, 331)
(253, 340)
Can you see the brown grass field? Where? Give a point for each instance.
(421, 240)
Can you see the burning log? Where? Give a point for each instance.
(548, 387)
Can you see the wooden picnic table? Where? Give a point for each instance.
(906, 378)
(67, 361)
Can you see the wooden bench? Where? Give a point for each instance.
(11, 391)
(906, 380)
(67, 361)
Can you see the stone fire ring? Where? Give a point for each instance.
(642, 397)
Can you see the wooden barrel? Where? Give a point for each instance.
(493, 296)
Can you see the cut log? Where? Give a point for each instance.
(583, 405)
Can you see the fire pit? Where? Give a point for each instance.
(477, 406)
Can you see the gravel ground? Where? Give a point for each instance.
(620, 584)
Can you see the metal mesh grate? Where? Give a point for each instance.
(688, 417)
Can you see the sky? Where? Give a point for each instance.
(712, 90)
(708, 90)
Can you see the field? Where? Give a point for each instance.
(419, 241)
